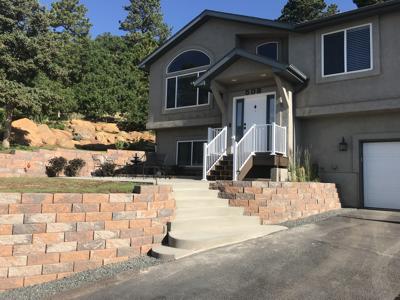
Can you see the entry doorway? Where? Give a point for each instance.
(252, 110)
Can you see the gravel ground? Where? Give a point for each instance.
(316, 218)
(43, 291)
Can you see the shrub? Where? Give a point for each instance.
(120, 145)
(302, 170)
(107, 169)
(74, 167)
(55, 166)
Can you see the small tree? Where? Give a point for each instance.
(298, 11)
(362, 3)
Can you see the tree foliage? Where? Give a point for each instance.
(298, 11)
(362, 3)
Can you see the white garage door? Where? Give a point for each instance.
(382, 175)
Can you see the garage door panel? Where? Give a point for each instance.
(381, 170)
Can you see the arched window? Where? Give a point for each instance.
(180, 91)
(269, 50)
(188, 60)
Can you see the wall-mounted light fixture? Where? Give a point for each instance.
(343, 146)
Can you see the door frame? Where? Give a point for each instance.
(361, 170)
(247, 97)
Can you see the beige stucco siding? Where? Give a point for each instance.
(323, 135)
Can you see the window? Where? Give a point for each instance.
(347, 51)
(180, 91)
(188, 60)
(190, 153)
(269, 50)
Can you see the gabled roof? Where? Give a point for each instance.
(201, 19)
(363, 12)
(289, 72)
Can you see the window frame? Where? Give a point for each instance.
(191, 151)
(272, 42)
(345, 30)
(176, 92)
(182, 73)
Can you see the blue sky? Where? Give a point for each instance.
(105, 14)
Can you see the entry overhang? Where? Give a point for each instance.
(288, 72)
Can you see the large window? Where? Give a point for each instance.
(180, 91)
(190, 153)
(347, 51)
(270, 50)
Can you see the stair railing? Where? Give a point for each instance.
(259, 138)
(214, 151)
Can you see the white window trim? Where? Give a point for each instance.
(176, 92)
(273, 42)
(191, 150)
(345, 51)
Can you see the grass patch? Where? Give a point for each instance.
(62, 185)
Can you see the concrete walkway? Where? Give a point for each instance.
(355, 256)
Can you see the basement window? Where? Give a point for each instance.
(347, 51)
(189, 153)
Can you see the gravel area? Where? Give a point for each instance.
(46, 290)
(317, 218)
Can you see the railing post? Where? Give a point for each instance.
(205, 161)
(210, 135)
(235, 168)
(273, 139)
(226, 138)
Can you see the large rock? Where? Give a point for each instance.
(84, 129)
(107, 127)
(47, 136)
(105, 138)
(25, 132)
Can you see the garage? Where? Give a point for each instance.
(381, 174)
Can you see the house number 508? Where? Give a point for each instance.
(253, 91)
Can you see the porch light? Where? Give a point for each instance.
(234, 80)
(343, 146)
(263, 75)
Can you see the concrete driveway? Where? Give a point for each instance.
(352, 256)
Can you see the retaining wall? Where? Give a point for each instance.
(33, 163)
(277, 202)
(44, 237)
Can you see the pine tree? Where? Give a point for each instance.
(26, 49)
(362, 3)
(298, 11)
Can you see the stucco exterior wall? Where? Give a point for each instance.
(216, 38)
(353, 92)
(323, 135)
(167, 140)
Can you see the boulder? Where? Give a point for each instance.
(105, 138)
(25, 132)
(107, 127)
(47, 136)
(85, 129)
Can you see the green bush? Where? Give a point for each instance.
(74, 167)
(55, 166)
(56, 125)
(302, 169)
(121, 145)
(106, 170)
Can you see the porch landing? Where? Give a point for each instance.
(203, 222)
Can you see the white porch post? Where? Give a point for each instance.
(235, 167)
(205, 161)
(273, 139)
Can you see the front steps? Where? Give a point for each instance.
(203, 221)
(223, 170)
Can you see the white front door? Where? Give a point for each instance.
(251, 110)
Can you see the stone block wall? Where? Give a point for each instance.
(33, 163)
(44, 237)
(277, 202)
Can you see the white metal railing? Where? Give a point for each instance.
(259, 138)
(214, 150)
(212, 133)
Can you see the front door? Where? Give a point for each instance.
(255, 109)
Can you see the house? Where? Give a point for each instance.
(234, 97)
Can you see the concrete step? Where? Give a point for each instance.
(165, 252)
(207, 212)
(206, 239)
(201, 203)
(195, 193)
(215, 223)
